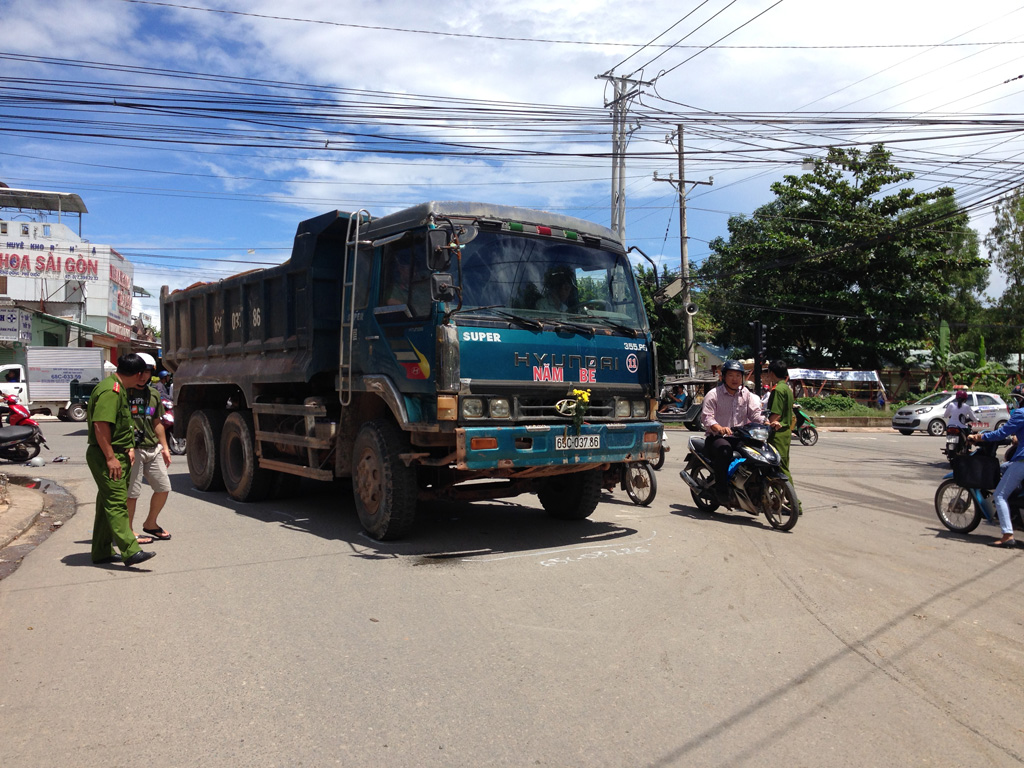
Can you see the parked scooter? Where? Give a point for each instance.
(636, 479)
(22, 439)
(176, 444)
(806, 432)
(757, 483)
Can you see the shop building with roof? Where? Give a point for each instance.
(65, 290)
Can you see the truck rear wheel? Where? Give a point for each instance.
(571, 497)
(239, 465)
(203, 438)
(383, 487)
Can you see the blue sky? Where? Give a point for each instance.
(385, 104)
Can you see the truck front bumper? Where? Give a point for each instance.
(506, 448)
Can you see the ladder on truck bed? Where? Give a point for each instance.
(349, 274)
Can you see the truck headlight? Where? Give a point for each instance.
(472, 407)
(499, 408)
(621, 408)
(639, 409)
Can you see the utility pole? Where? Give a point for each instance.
(623, 90)
(684, 259)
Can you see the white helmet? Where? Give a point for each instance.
(37, 461)
(148, 360)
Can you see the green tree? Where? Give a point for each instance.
(667, 321)
(1005, 245)
(846, 265)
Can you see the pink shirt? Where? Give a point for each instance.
(730, 410)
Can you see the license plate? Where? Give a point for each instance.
(577, 442)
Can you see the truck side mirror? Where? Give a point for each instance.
(441, 287)
(438, 254)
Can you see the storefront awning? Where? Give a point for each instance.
(73, 324)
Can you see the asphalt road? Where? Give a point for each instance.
(277, 634)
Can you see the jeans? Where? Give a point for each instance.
(1013, 475)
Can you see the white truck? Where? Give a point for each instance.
(41, 378)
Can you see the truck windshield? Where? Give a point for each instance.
(537, 277)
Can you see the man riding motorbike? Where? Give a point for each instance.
(728, 405)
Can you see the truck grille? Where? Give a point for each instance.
(542, 409)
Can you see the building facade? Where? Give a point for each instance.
(66, 282)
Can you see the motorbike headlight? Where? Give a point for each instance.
(639, 409)
(499, 408)
(621, 408)
(472, 407)
(760, 433)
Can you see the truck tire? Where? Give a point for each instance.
(239, 465)
(571, 497)
(76, 412)
(203, 439)
(383, 487)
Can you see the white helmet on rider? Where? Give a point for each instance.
(148, 360)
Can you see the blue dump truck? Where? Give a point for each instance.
(448, 351)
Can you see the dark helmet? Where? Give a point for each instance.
(961, 395)
(733, 365)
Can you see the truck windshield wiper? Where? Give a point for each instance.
(633, 332)
(560, 323)
(523, 321)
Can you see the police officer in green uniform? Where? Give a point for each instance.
(109, 456)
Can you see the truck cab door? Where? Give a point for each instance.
(403, 314)
(12, 382)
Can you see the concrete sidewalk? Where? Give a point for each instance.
(20, 513)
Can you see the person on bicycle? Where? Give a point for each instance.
(728, 405)
(1013, 473)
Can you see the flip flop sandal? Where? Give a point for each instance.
(144, 539)
(158, 533)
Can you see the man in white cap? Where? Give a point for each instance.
(152, 456)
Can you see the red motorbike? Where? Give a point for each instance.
(176, 444)
(22, 439)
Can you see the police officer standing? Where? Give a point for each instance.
(109, 456)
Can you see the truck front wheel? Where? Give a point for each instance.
(76, 412)
(572, 497)
(203, 438)
(239, 465)
(383, 486)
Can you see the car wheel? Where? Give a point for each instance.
(936, 428)
(999, 424)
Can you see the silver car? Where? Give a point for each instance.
(926, 415)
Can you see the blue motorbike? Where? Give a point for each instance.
(961, 501)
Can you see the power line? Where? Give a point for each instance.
(545, 41)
